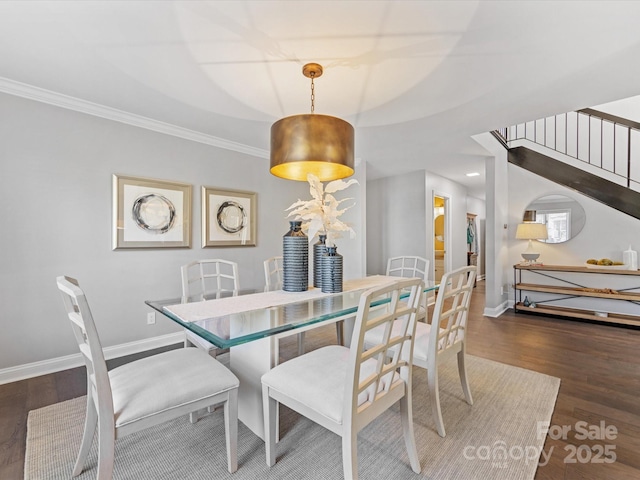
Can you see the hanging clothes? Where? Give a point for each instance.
(472, 238)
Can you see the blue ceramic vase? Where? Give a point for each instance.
(319, 249)
(295, 259)
(332, 271)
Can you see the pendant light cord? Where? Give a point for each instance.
(313, 97)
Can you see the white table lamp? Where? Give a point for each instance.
(531, 231)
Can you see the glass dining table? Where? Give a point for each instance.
(250, 325)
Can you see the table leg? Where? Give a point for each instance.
(249, 362)
(348, 326)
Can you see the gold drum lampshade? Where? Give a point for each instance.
(318, 144)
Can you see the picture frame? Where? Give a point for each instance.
(229, 218)
(150, 213)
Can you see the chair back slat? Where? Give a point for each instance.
(408, 267)
(86, 351)
(77, 319)
(84, 329)
(273, 274)
(208, 278)
(449, 321)
(377, 369)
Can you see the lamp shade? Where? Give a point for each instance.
(318, 144)
(532, 231)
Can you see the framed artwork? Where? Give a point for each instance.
(228, 218)
(150, 213)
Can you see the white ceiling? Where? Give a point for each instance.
(416, 78)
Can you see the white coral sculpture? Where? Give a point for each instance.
(320, 214)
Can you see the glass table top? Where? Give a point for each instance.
(229, 320)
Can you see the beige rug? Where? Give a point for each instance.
(495, 438)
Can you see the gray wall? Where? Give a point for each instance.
(400, 218)
(57, 166)
(396, 219)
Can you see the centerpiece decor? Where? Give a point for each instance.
(332, 271)
(319, 216)
(295, 259)
(319, 249)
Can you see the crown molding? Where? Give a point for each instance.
(38, 94)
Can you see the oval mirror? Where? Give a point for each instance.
(563, 216)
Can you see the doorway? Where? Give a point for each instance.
(440, 237)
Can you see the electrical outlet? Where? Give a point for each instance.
(151, 318)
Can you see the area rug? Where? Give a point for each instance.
(495, 438)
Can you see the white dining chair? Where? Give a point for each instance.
(273, 274)
(446, 335)
(203, 280)
(146, 392)
(434, 345)
(345, 389)
(410, 267)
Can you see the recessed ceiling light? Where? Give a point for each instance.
(473, 174)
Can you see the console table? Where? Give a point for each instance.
(558, 284)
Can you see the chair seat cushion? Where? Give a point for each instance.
(317, 380)
(421, 346)
(166, 381)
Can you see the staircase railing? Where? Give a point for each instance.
(596, 138)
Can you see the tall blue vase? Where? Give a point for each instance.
(295, 259)
(319, 249)
(332, 271)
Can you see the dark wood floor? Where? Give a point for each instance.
(599, 367)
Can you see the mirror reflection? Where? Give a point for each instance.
(563, 215)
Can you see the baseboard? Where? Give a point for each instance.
(497, 311)
(35, 369)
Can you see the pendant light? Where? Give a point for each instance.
(318, 144)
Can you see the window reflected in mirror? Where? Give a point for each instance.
(563, 216)
(558, 225)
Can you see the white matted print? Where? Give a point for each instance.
(150, 213)
(228, 218)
